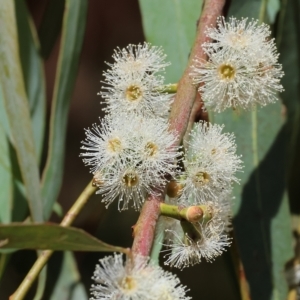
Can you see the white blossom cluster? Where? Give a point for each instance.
(210, 167)
(135, 280)
(132, 149)
(133, 80)
(131, 153)
(242, 68)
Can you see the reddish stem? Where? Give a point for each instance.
(144, 230)
(179, 118)
(186, 91)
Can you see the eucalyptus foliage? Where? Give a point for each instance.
(261, 261)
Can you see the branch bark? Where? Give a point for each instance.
(180, 113)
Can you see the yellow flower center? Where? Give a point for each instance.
(201, 178)
(130, 179)
(151, 149)
(128, 284)
(133, 93)
(114, 145)
(227, 72)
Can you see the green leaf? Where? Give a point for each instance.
(50, 26)
(262, 219)
(255, 9)
(172, 25)
(260, 201)
(289, 47)
(33, 73)
(50, 236)
(158, 241)
(68, 285)
(6, 179)
(4, 259)
(17, 109)
(273, 6)
(71, 42)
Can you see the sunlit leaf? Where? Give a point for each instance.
(33, 73)
(172, 25)
(261, 207)
(17, 108)
(71, 42)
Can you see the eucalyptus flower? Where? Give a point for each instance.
(210, 164)
(134, 280)
(139, 58)
(242, 68)
(186, 251)
(132, 85)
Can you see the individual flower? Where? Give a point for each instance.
(132, 85)
(107, 143)
(126, 181)
(242, 68)
(232, 81)
(187, 251)
(139, 58)
(134, 280)
(245, 38)
(210, 164)
(135, 92)
(154, 145)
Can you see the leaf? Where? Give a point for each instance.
(158, 241)
(50, 26)
(262, 219)
(289, 48)
(71, 42)
(17, 109)
(33, 73)
(255, 9)
(52, 237)
(6, 179)
(68, 284)
(172, 25)
(273, 6)
(260, 201)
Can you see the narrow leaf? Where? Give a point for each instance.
(68, 285)
(6, 179)
(71, 42)
(288, 41)
(262, 219)
(16, 105)
(172, 25)
(50, 236)
(51, 25)
(33, 73)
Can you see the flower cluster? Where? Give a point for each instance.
(242, 69)
(132, 149)
(132, 153)
(210, 165)
(135, 280)
(132, 83)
